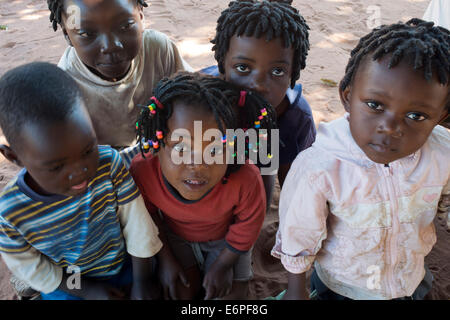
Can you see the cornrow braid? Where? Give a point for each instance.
(56, 7)
(425, 45)
(274, 19)
(231, 108)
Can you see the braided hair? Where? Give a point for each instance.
(56, 7)
(424, 45)
(232, 108)
(274, 19)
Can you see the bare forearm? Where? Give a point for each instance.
(227, 258)
(296, 287)
(142, 269)
(269, 184)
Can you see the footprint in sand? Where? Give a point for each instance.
(9, 45)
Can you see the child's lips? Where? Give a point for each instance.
(378, 147)
(80, 186)
(195, 183)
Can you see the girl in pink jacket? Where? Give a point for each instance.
(360, 203)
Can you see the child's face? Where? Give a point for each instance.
(192, 181)
(256, 64)
(392, 111)
(60, 158)
(109, 35)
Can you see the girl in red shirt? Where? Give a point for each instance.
(209, 209)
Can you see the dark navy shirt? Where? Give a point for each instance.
(296, 124)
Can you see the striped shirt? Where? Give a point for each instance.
(82, 231)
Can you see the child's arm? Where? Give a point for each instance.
(269, 184)
(444, 205)
(242, 234)
(142, 243)
(145, 285)
(90, 289)
(303, 222)
(34, 269)
(218, 281)
(170, 270)
(296, 287)
(43, 275)
(139, 230)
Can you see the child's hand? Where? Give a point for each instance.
(102, 291)
(145, 291)
(218, 281)
(93, 290)
(170, 272)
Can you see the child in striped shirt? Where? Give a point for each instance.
(73, 224)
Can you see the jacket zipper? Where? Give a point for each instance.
(387, 170)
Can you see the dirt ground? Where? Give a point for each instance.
(336, 26)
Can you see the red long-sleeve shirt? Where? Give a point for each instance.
(234, 211)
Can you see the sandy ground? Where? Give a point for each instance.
(336, 26)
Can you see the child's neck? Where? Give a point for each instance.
(282, 107)
(34, 186)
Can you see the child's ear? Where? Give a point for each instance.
(345, 96)
(66, 36)
(9, 154)
(142, 17)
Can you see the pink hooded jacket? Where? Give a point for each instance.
(366, 227)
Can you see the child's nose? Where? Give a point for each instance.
(259, 83)
(390, 125)
(77, 172)
(110, 43)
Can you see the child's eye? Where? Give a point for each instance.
(416, 116)
(374, 105)
(278, 72)
(242, 68)
(88, 152)
(216, 150)
(181, 147)
(85, 34)
(56, 168)
(128, 25)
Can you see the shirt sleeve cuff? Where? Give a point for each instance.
(232, 249)
(292, 264)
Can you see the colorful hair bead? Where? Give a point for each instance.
(269, 156)
(241, 102)
(261, 117)
(231, 143)
(257, 124)
(137, 125)
(155, 144)
(159, 104)
(224, 139)
(146, 146)
(159, 135)
(264, 112)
